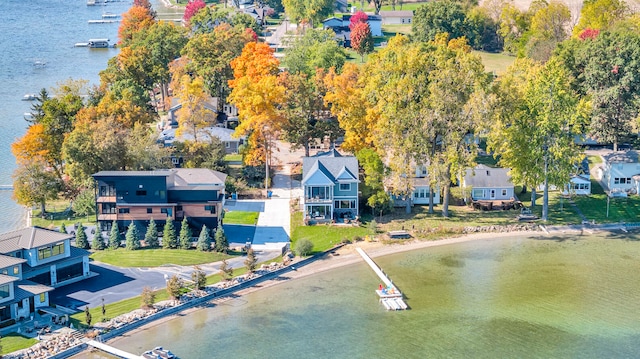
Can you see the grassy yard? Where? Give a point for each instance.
(115, 309)
(14, 341)
(322, 236)
(156, 257)
(233, 157)
(241, 217)
(58, 212)
(497, 63)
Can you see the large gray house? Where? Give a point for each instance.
(330, 186)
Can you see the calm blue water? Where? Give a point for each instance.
(44, 30)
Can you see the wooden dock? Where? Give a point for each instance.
(111, 350)
(390, 296)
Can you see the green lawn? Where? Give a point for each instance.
(115, 309)
(322, 236)
(58, 212)
(496, 63)
(234, 157)
(14, 341)
(241, 217)
(594, 207)
(156, 257)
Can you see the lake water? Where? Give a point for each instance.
(507, 298)
(44, 30)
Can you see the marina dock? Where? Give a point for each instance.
(390, 296)
(111, 350)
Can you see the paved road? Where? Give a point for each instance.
(115, 283)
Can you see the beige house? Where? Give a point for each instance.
(399, 17)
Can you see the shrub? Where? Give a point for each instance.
(303, 247)
(226, 272)
(251, 260)
(199, 277)
(148, 297)
(98, 241)
(174, 287)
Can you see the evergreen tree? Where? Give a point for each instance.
(222, 244)
(87, 316)
(151, 237)
(63, 228)
(132, 237)
(81, 237)
(185, 234)
(169, 235)
(204, 240)
(251, 261)
(98, 241)
(114, 236)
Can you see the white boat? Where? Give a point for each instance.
(98, 43)
(103, 21)
(162, 353)
(29, 97)
(110, 15)
(39, 63)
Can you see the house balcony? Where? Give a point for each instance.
(107, 216)
(106, 199)
(317, 200)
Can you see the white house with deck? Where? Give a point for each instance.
(620, 172)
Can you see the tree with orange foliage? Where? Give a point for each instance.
(345, 94)
(135, 19)
(257, 94)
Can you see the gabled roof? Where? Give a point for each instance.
(333, 165)
(487, 177)
(579, 179)
(621, 157)
(318, 175)
(30, 237)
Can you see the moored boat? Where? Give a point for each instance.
(29, 97)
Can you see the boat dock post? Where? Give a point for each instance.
(113, 351)
(391, 297)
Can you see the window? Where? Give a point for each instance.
(149, 210)
(345, 186)
(164, 210)
(44, 253)
(227, 144)
(504, 192)
(16, 270)
(178, 208)
(622, 180)
(211, 209)
(108, 208)
(141, 193)
(123, 210)
(4, 291)
(477, 193)
(345, 204)
(43, 297)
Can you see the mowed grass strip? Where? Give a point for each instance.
(322, 236)
(113, 310)
(156, 257)
(241, 217)
(14, 341)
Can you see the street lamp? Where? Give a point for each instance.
(545, 196)
(266, 161)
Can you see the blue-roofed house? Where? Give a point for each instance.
(330, 187)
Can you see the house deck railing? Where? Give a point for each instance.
(317, 200)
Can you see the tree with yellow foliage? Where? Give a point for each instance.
(194, 115)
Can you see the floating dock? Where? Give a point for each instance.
(390, 296)
(111, 350)
(103, 21)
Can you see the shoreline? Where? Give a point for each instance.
(339, 258)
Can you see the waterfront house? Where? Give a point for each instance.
(340, 26)
(330, 187)
(488, 183)
(225, 135)
(166, 194)
(398, 17)
(34, 261)
(620, 173)
(578, 185)
(421, 188)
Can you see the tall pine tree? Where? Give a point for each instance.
(185, 234)
(81, 237)
(98, 241)
(132, 237)
(204, 240)
(114, 236)
(151, 236)
(169, 235)
(222, 244)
